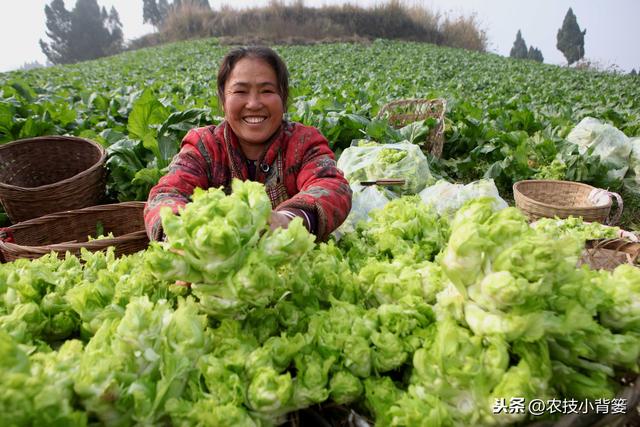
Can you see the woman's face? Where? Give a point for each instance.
(252, 102)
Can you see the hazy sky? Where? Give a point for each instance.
(612, 25)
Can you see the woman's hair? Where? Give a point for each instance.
(259, 52)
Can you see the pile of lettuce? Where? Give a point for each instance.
(222, 245)
(410, 319)
(577, 227)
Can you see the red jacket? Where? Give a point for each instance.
(298, 169)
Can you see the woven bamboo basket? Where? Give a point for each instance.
(549, 199)
(607, 254)
(68, 231)
(50, 174)
(404, 111)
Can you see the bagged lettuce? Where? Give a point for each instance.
(608, 143)
(632, 178)
(446, 197)
(364, 200)
(370, 161)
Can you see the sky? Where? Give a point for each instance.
(610, 41)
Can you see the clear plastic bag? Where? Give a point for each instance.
(609, 144)
(367, 161)
(364, 200)
(632, 178)
(447, 198)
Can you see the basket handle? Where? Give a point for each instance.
(614, 218)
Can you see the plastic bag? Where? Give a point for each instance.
(364, 200)
(632, 178)
(609, 144)
(447, 198)
(366, 161)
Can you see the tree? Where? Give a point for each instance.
(31, 66)
(633, 72)
(151, 13)
(535, 54)
(519, 49)
(154, 12)
(59, 31)
(163, 8)
(570, 39)
(86, 32)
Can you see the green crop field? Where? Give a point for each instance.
(412, 318)
(505, 119)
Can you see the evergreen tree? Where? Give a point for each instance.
(151, 13)
(570, 39)
(59, 31)
(633, 72)
(535, 54)
(519, 49)
(163, 8)
(114, 28)
(86, 32)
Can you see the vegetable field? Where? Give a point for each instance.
(413, 318)
(505, 119)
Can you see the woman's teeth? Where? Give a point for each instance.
(254, 120)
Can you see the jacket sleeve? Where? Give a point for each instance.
(323, 189)
(188, 170)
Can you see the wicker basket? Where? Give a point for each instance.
(549, 199)
(607, 254)
(68, 231)
(50, 174)
(404, 111)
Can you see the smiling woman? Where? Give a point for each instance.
(252, 104)
(254, 142)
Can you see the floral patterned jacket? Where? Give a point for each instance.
(298, 169)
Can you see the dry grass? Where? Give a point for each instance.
(189, 20)
(296, 23)
(464, 32)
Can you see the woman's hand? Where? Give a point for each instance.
(278, 219)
